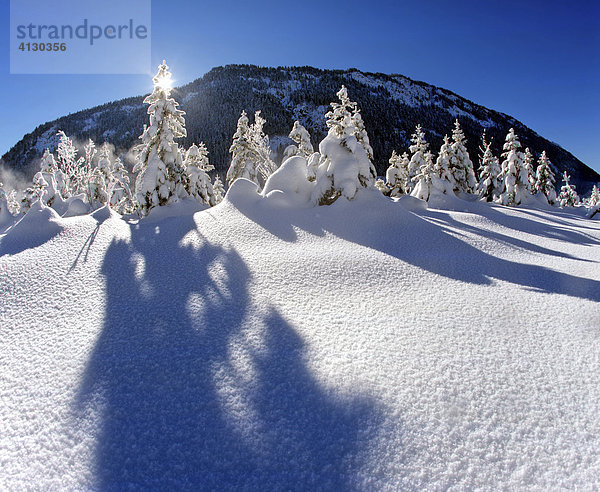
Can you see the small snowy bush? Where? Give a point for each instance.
(568, 196)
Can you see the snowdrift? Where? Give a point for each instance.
(371, 344)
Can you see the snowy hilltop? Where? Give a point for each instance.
(311, 327)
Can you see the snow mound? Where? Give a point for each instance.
(37, 226)
(180, 208)
(289, 185)
(76, 206)
(104, 213)
(412, 203)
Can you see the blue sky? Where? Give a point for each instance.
(537, 61)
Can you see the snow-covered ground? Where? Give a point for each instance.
(370, 344)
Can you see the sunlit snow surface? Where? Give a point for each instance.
(371, 344)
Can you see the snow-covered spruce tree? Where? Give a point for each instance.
(483, 145)
(568, 196)
(513, 174)
(594, 198)
(242, 157)
(360, 132)
(344, 165)
(250, 154)
(427, 179)
(397, 174)
(159, 161)
(53, 177)
(593, 202)
(461, 167)
(66, 157)
(545, 179)
(120, 192)
(199, 185)
(417, 160)
(490, 185)
(260, 141)
(33, 193)
(528, 161)
(218, 190)
(303, 146)
(85, 170)
(100, 178)
(444, 161)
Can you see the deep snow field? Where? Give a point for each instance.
(370, 345)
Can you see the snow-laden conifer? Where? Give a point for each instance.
(594, 198)
(444, 161)
(344, 165)
(490, 185)
(66, 157)
(250, 154)
(361, 132)
(427, 179)
(120, 193)
(483, 145)
(100, 178)
(513, 174)
(260, 141)
(461, 166)
(33, 193)
(302, 145)
(568, 196)
(159, 160)
(418, 149)
(545, 179)
(85, 170)
(53, 177)
(593, 202)
(197, 166)
(242, 156)
(528, 161)
(397, 174)
(218, 190)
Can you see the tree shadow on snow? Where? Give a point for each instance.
(444, 219)
(415, 240)
(539, 223)
(177, 411)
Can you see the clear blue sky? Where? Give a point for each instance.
(538, 61)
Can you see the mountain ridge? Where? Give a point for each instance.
(391, 105)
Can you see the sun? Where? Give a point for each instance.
(163, 79)
(164, 82)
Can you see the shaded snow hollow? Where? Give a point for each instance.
(367, 345)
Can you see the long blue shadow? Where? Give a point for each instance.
(153, 374)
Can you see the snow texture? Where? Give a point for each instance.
(373, 344)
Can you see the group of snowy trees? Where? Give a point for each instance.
(343, 164)
(72, 183)
(509, 182)
(66, 180)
